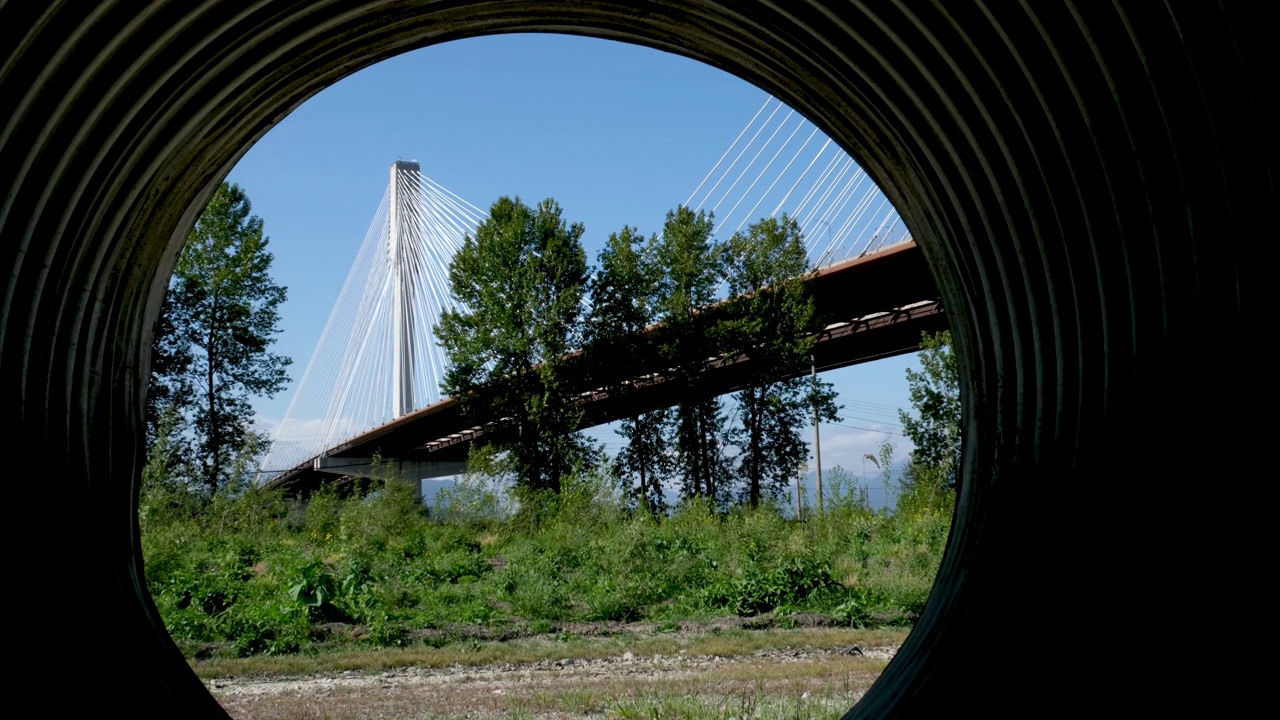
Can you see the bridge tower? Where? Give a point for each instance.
(403, 239)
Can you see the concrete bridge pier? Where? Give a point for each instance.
(411, 471)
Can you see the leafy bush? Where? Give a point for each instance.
(763, 590)
(266, 629)
(251, 574)
(319, 591)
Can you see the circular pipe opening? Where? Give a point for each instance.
(1079, 179)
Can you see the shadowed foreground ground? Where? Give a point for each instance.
(796, 673)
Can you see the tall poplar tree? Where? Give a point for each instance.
(211, 353)
(624, 296)
(692, 264)
(772, 320)
(519, 284)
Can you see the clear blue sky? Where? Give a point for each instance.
(618, 134)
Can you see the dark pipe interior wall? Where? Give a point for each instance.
(1093, 185)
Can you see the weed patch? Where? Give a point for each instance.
(252, 575)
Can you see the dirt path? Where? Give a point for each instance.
(804, 682)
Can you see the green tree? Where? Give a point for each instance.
(624, 296)
(934, 427)
(692, 265)
(211, 355)
(519, 284)
(171, 358)
(771, 319)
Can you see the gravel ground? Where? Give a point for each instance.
(497, 678)
(796, 683)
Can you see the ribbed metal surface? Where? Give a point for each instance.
(1090, 183)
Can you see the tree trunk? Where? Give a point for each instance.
(215, 443)
(753, 444)
(707, 464)
(644, 483)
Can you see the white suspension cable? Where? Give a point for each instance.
(729, 149)
(347, 386)
(737, 158)
(760, 175)
(752, 162)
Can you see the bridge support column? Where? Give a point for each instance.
(403, 233)
(411, 471)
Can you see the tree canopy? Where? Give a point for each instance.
(519, 284)
(934, 427)
(772, 319)
(692, 265)
(521, 347)
(624, 297)
(211, 353)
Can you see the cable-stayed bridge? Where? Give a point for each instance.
(372, 384)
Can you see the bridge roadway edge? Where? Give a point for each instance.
(875, 286)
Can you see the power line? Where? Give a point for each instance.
(854, 427)
(882, 422)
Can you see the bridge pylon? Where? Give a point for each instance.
(376, 359)
(403, 238)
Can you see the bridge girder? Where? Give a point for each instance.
(874, 304)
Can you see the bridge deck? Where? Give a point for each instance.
(877, 305)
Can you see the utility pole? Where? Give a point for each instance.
(817, 441)
(799, 494)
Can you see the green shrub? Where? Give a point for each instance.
(240, 573)
(266, 629)
(623, 601)
(761, 590)
(319, 591)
